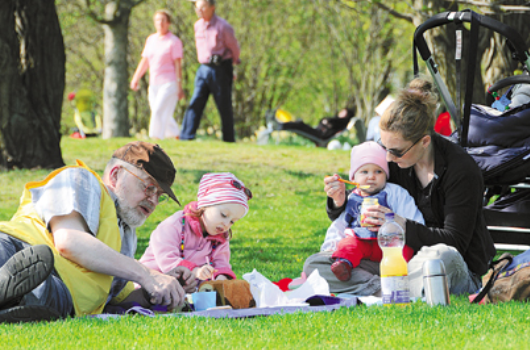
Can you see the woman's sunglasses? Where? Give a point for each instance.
(395, 153)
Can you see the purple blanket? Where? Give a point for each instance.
(267, 311)
(317, 303)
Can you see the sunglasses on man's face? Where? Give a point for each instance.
(398, 154)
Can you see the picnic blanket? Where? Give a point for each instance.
(316, 303)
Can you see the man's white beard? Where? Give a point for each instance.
(129, 215)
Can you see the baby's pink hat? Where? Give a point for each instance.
(366, 153)
(218, 188)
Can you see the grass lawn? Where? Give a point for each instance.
(286, 223)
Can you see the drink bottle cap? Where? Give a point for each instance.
(389, 216)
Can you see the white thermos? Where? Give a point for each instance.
(435, 283)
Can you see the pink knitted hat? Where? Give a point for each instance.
(219, 188)
(366, 153)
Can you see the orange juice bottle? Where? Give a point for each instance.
(394, 274)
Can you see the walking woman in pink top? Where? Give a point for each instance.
(162, 54)
(198, 236)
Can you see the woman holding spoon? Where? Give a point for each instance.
(447, 186)
(357, 238)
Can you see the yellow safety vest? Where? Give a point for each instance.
(89, 289)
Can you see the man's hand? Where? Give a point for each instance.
(164, 290)
(185, 278)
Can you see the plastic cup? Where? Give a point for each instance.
(204, 300)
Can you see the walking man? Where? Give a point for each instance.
(217, 51)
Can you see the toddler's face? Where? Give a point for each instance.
(372, 175)
(217, 219)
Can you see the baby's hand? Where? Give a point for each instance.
(204, 272)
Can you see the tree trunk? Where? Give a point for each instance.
(497, 59)
(32, 70)
(116, 84)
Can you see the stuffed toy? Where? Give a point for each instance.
(235, 293)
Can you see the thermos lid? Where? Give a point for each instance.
(434, 267)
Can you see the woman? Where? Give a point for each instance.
(326, 128)
(447, 186)
(162, 54)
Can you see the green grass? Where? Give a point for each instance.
(286, 223)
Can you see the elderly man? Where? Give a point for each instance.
(69, 249)
(217, 50)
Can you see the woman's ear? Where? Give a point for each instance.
(426, 141)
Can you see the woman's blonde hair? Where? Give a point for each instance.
(164, 12)
(413, 112)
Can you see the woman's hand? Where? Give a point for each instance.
(134, 84)
(335, 190)
(180, 94)
(375, 215)
(204, 272)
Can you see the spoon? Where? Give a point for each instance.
(354, 183)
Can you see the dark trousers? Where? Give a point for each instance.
(52, 292)
(216, 80)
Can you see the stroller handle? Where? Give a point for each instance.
(517, 43)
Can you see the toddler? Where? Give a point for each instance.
(197, 237)
(368, 168)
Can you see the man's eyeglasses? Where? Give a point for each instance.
(237, 186)
(150, 189)
(398, 154)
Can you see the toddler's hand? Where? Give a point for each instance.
(204, 272)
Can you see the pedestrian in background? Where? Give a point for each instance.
(217, 51)
(162, 54)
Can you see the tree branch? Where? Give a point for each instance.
(137, 3)
(393, 12)
(380, 4)
(488, 5)
(92, 14)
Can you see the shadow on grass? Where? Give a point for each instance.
(299, 174)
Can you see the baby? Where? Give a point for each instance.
(369, 169)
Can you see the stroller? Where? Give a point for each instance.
(497, 138)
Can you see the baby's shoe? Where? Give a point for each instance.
(341, 268)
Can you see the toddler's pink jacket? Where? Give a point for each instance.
(163, 253)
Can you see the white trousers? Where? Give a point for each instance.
(163, 100)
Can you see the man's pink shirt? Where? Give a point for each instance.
(161, 53)
(215, 37)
